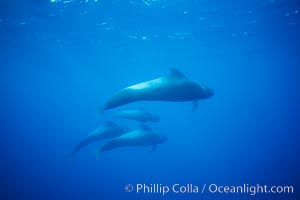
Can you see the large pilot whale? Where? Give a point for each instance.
(139, 114)
(175, 87)
(107, 131)
(143, 136)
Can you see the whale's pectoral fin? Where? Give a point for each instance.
(153, 148)
(98, 155)
(96, 151)
(195, 105)
(176, 73)
(99, 111)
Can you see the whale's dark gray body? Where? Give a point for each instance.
(174, 88)
(144, 136)
(109, 130)
(140, 114)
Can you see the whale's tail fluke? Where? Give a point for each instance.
(100, 111)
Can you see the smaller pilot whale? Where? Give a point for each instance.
(140, 114)
(109, 130)
(144, 136)
(175, 87)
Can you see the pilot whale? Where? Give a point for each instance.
(143, 136)
(175, 87)
(107, 131)
(140, 114)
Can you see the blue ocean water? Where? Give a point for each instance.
(61, 59)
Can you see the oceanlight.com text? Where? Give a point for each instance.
(176, 188)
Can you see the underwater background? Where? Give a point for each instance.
(61, 59)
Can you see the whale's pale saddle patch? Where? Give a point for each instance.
(147, 84)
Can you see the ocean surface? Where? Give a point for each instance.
(62, 59)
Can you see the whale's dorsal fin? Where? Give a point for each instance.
(176, 73)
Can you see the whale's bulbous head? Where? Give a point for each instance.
(200, 91)
(210, 92)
